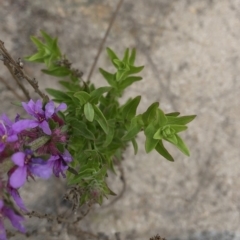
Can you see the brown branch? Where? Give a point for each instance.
(11, 89)
(104, 39)
(18, 74)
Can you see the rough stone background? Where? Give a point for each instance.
(191, 53)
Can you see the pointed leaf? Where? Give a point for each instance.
(89, 111)
(134, 70)
(97, 93)
(161, 117)
(174, 114)
(58, 72)
(132, 57)
(130, 108)
(109, 77)
(163, 151)
(37, 42)
(151, 113)
(47, 38)
(178, 128)
(129, 81)
(135, 146)
(126, 55)
(80, 128)
(158, 134)
(182, 146)
(150, 142)
(99, 117)
(180, 120)
(82, 96)
(112, 55)
(57, 94)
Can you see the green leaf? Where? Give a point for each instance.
(161, 117)
(135, 146)
(126, 55)
(163, 151)
(178, 128)
(132, 57)
(97, 93)
(158, 134)
(99, 117)
(82, 96)
(180, 120)
(150, 142)
(112, 55)
(172, 139)
(181, 146)
(150, 114)
(174, 114)
(37, 42)
(80, 128)
(38, 57)
(109, 77)
(131, 133)
(57, 94)
(70, 86)
(134, 70)
(130, 108)
(47, 38)
(89, 111)
(58, 71)
(129, 81)
(110, 134)
(55, 49)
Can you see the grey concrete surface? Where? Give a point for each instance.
(191, 53)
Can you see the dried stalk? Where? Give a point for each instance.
(16, 69)
(104, 40)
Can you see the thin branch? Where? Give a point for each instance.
(11, 89)
(104, 39)
(18, 74)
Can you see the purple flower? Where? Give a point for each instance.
(27, 165)
(40, 114)
(59, 163)
(15, 195)
(14, 218)
(6, 132)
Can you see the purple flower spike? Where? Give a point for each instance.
(59, 163)
(14, 218)
(26, 165)
(7, 134)
(36, 110)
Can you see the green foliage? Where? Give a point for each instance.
(98, 126)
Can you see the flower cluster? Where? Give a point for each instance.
(35, 147)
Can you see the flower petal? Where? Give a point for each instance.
(18, 200)
(38, 108)
(12, 138)
(2, 231)
(49, 109)
(19, 158)
(24, 124)
(61, 107)
(67, 156)
(29, 107)
(45, 127)
(42, 171)
(18, 177)
(14, 218)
